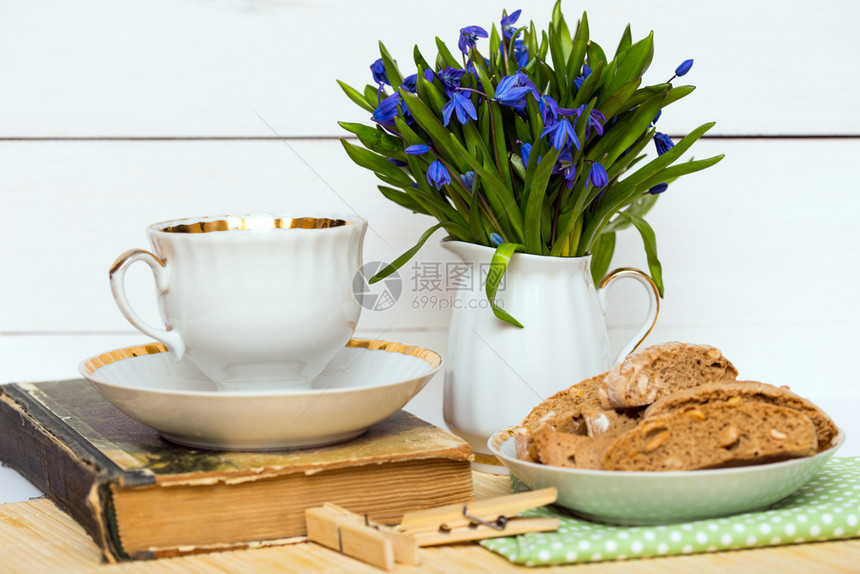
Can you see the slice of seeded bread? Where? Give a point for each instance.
(574, 410)
(647, 375)
(569, 450)
(561, 412)
(713, 436)
(738, 392)
(609, 423)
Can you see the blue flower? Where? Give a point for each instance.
(429, 75)
(521, 53)
(683, 68)
(595, 120)
(450, 78)
(658, 189)
(508, 22)
(397, 162)
(496, 239)
(379, 75)
(597, 176)
(511, 90)
(566, 167)
(663, 143)
(524, 80)
(417, 149)
(386, 111)
(437, 175)
(586, 71)
(462, 105)
(561, 131)
(469, 37)
(508, 93)
(657, 117)
(468, 180)
(525, 152)
(410, 83)
(550, 111)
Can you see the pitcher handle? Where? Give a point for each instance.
(158, 266)
(653, 305)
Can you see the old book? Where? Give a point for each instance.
(140, 496)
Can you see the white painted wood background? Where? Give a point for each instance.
(114, 115)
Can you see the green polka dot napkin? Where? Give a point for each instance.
(826, 508)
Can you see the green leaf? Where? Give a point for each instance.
(639, 124)
(446, 55)
(633, 63)
(532, 41)
(565, 41)
(374, 162)
(595, 54)
(601, 256)
(577, 54)
(403, 259)
(624, 191)
(559, 64)
(420, 62)
(677, 171)
(642, 95)
(485, 82)
(376, 139)
(356, 96)
(499, 196)
(440, 135)
(626, 41)
(429, 93)
(677, 93)
(395, 78)
(544, 46)
(402, 199)
(556, 13)
(613, 103)
(500, 145)
(519, 166)
(640, 206)
(477, 222)
(498, 266)
(589, 86)
(650, 242)
(536, 189)
(371, 94)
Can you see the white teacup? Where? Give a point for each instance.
(257, 302)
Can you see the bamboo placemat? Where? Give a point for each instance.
(36, 536)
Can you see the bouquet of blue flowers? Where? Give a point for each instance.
(536, 145)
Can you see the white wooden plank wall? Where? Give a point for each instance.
(114, 115)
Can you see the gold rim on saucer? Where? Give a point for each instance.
(430, 357)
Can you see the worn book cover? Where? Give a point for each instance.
(140, 496)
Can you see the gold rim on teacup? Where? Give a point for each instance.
(248, 222)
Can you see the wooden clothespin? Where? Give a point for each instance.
(357, 536)
(489, 518)
(382, 546)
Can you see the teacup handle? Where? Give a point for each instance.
(117, 286)
(653, 305)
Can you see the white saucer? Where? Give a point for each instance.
(648, 498)
(366, 382)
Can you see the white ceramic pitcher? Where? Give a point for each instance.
(496, 372)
